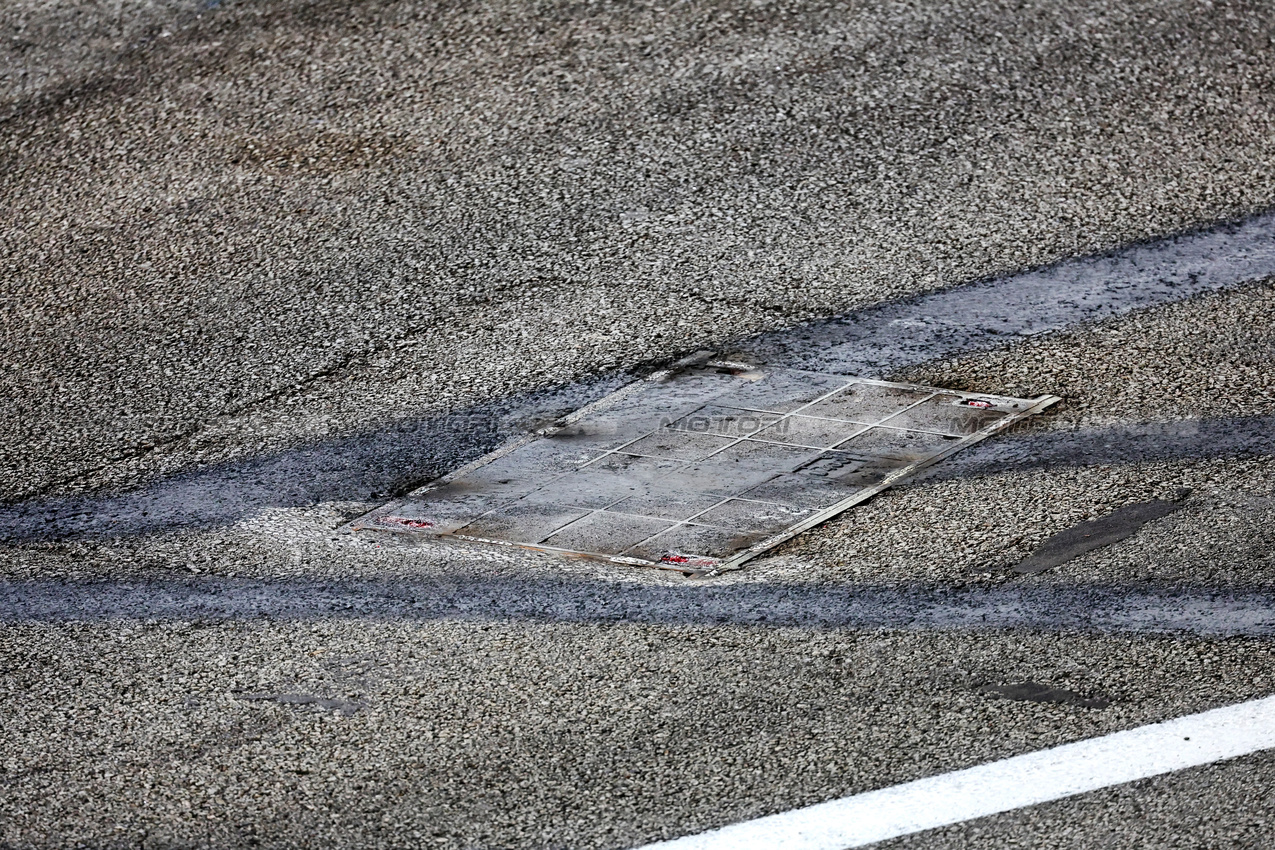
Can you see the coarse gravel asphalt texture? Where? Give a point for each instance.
(513, 195)
(251, 243)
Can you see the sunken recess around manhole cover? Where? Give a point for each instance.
(700, 467)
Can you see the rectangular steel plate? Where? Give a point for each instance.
(701, 467)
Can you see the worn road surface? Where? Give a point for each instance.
(268, 264)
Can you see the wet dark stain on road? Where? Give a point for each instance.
(1071, 543)
(1033, 692)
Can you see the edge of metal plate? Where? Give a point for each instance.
(361, 522)
(736, 561)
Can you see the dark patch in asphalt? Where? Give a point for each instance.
(376, 465)
(992, 314)
(1138, 608)
(1115, 444)
(1033, 692)
(369, 468)
(1073, 542)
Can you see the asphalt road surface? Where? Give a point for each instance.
(268, 265)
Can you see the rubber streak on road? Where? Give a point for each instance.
(1001, 786)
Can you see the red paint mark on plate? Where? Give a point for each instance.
(979, 403)
(687, 560)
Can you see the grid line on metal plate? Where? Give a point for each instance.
(702, 466)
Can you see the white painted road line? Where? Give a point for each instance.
(1001, 786)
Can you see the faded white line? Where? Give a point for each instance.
(1001, 786)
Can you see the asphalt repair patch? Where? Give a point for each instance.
(702, 466)
(1033, 692)
(1071, 543)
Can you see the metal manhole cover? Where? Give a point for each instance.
(701, 467)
